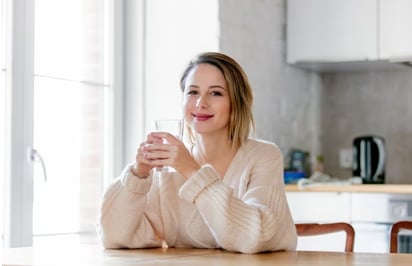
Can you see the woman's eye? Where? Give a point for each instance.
(192, 92)
(216, 93)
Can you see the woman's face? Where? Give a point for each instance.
(206, 102)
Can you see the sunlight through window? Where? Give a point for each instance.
(69, 93)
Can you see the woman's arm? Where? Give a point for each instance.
(258, 220)
(124, 221)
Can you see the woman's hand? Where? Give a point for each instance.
(171, 153)
(143, 164)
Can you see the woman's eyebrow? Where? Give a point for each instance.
(210, 87)
(217, 87)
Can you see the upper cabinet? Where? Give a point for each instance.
(395, 25)
(335, 31)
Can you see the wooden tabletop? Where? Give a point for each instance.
(92, 255)
(364, 188)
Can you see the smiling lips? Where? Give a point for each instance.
(202, 117)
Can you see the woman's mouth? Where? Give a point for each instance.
(202, 117)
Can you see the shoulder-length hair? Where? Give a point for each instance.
(241, 121)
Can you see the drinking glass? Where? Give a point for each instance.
(172, 126)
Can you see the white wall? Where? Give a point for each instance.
(172, 33)
(175, 32)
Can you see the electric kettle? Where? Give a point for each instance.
(369, 159)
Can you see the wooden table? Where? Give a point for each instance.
(91, 255)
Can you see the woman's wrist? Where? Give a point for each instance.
(133, 172)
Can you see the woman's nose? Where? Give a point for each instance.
(202, 102)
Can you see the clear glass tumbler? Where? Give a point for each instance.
(172, 126)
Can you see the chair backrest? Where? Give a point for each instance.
(312, 229)
(396, 227)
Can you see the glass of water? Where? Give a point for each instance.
(172, 126)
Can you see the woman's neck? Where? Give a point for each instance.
(216, 152)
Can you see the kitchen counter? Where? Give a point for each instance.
(364, 188)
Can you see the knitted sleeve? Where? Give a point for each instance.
(257, 220)
(124, 221)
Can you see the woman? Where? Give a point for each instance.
(227, 191)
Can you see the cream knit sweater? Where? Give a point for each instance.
(245, 211)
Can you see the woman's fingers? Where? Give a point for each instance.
(166, 136)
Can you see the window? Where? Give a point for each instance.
(66, 117)
(68, 132)
(70, 86)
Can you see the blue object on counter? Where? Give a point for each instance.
(293, 176)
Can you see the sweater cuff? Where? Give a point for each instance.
(198, 182)
(135, 184)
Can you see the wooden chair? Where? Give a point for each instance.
(312, 229)
(396, 227)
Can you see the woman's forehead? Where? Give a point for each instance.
(205, 73)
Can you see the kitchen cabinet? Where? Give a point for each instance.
(336, 31)
(321, 207)
(331, 30)
(370, 213)
(395, 23)
(309, 207)
(372, 216)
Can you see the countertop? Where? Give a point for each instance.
(364, 188)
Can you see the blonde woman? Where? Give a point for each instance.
(227, 189)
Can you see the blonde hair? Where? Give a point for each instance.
(241, 121)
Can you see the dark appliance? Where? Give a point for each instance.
(369, 159)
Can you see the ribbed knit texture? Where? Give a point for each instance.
(245, 211)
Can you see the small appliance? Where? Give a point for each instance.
(369, 159)
(299, 161)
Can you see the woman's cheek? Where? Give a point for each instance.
(186, 110)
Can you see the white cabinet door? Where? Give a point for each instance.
(395, 23)
(319, 206)
(372, 237)
(331, 30)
